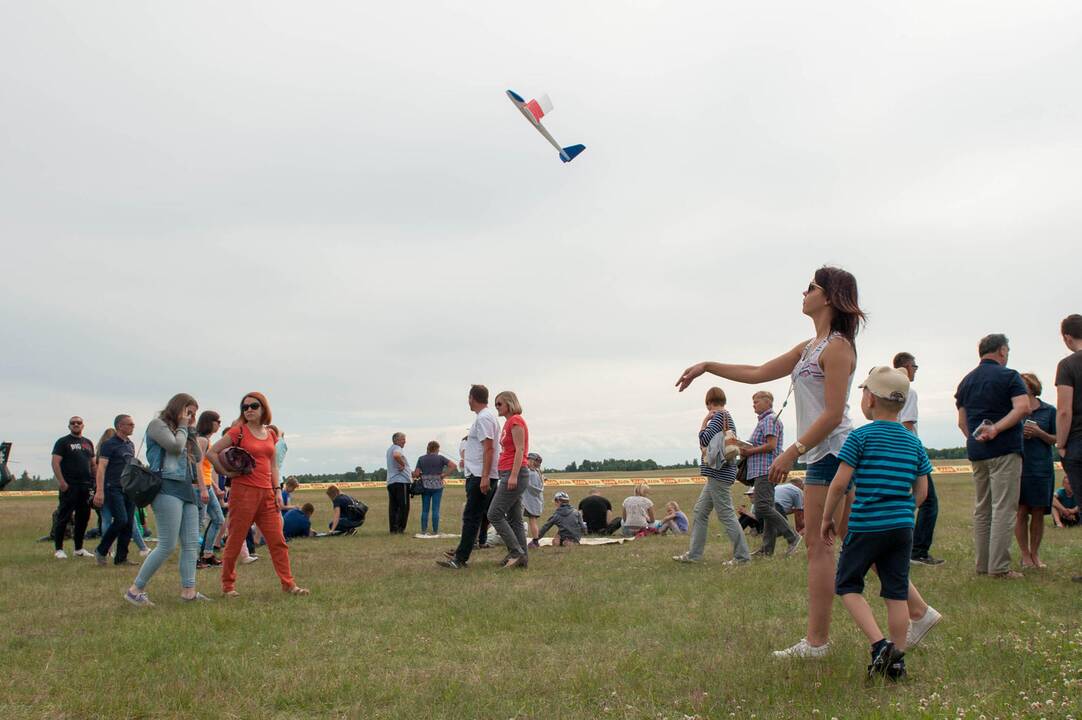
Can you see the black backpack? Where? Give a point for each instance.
(358, 510)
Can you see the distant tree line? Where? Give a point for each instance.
(357, 474)
(617, 465)
(26, 481)
(955, 453)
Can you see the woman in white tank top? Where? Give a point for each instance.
(822, 372)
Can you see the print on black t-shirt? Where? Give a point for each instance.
(75, 453)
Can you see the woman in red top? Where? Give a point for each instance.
(505, 512)
(255, 497)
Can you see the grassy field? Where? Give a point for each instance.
(601, 632)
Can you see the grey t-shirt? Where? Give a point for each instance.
(431, 464)
(394, 475)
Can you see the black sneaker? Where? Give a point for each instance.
(926, 560)
(451, 563)
(896, 666)
(880, 660)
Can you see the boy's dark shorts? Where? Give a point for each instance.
(888, 550)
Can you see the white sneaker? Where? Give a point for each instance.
(83, 552)
(60, 555)
(919, 628)
(250, 559)
(803, 649)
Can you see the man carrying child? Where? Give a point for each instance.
(889, 466)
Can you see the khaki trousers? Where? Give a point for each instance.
(997, 483)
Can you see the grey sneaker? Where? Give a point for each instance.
(198, 597)
(451, 563)
(794, 546)
(736, 561)
(685, 558)
(103, 560)
(919, 628)
(138, 599)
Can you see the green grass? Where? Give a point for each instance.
(602, 632)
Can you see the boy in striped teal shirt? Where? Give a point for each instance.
(889, 467)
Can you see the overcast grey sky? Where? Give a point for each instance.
(336, 204)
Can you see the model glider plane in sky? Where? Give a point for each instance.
(534, 110)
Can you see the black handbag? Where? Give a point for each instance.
(417, 487)
(139, 482)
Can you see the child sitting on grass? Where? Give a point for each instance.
(889, 467)
(568, 522)
(674, 520)
(1064, 506)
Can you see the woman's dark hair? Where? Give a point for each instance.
(204, 427)
(840, 288)
(173, 409)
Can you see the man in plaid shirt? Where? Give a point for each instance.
(766, 444)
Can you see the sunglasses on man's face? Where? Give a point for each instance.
(76, 422)
(250, 406)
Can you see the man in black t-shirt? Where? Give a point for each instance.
(597, 514)
(1069, 405)
(73, 467)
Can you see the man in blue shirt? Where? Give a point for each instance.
(298, 521)
(399, 478)
(992, 403)
(113, 456)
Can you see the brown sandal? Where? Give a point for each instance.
(232, 594)
(295, 590)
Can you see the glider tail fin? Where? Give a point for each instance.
(570, 152)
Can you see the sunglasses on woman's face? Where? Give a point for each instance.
(812, 286)
(500, 403)
(250, 406)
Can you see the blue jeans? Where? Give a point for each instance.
(213, 510)
(176, 520)
(136, 531)
(431, 498)
(118, 526)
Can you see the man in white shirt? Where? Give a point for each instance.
(929, 509)
(479, 468)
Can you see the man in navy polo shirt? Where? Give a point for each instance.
(992, 403)
(113, 456)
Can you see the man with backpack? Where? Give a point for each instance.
(349, 514)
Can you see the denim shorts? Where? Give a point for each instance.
(888, 550)
(822, 471)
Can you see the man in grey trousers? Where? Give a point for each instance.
(992, 402)
(764, 445)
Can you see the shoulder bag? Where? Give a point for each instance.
(236, 459)
(139, 482)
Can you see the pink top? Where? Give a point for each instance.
(507, 443)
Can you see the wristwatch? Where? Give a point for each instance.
(801, 448)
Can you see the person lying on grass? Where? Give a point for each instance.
(566, 519)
